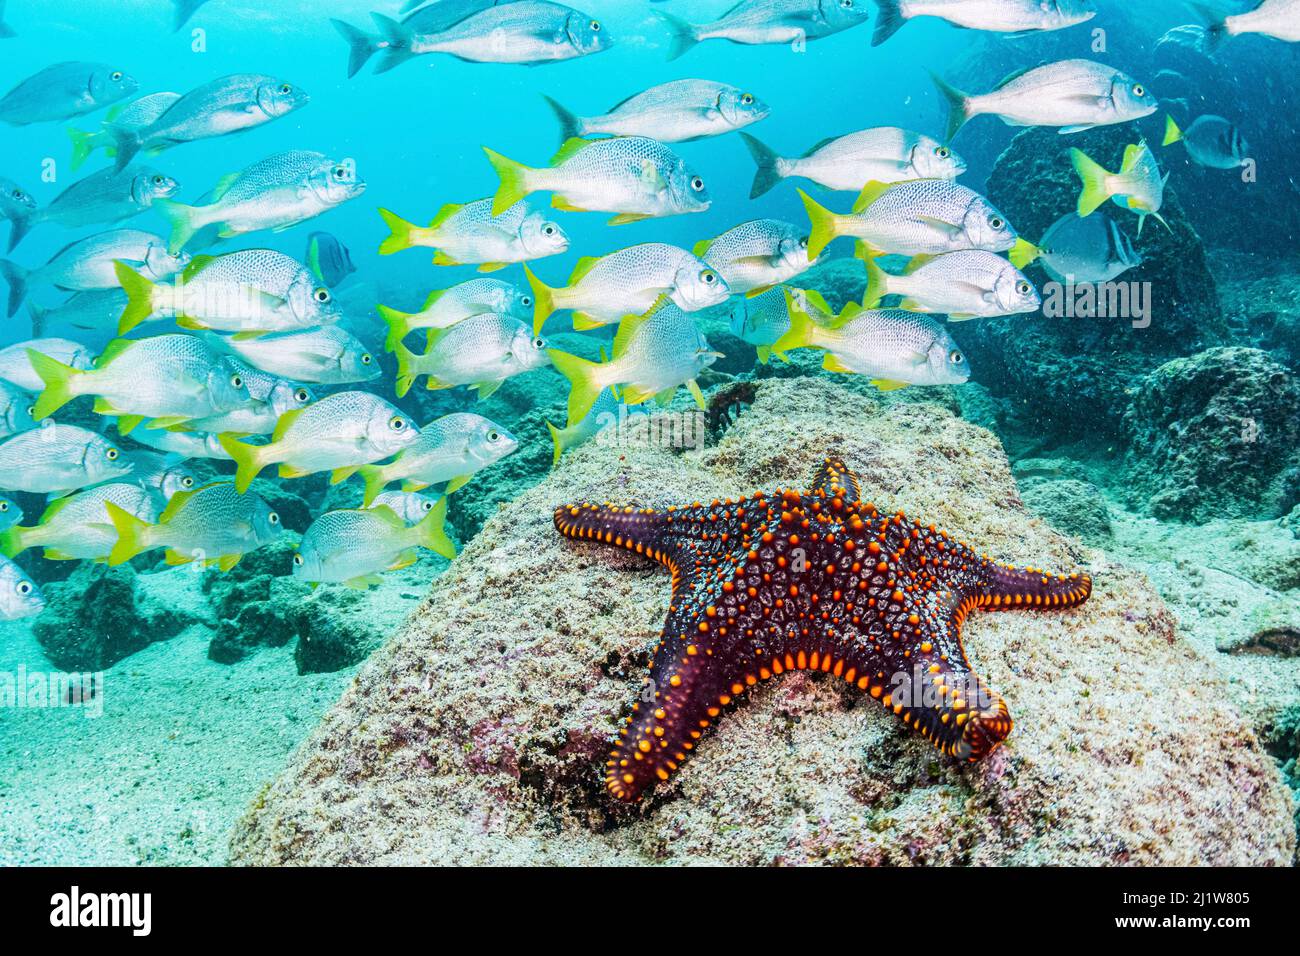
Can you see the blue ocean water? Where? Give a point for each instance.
(416, 135)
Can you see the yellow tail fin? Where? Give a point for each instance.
(545, 299)
(582, 376)
(183, 220)
(800, 334)
(58, 380)
(400, 232)
(248, 460)
(514, 181)
(1172, 133)
(139, 297)
(399, 326)
(431, 532)
(825, 225)
(376, 482)
(132, 535)
(877, 284)
(1094, 176)
(406, 373)
(557, 439)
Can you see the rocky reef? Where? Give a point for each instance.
(476, 734)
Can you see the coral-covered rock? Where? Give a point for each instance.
(334, 631)
(1075, 507)
(1071, 375)
(98, 616)
(477, 734)
(1215, 435)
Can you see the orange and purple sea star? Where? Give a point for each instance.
(814, 580)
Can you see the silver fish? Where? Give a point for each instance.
(1138, 186)
(101, 198)
(1211, 141)
(445, 307)
(654, 354)
(892, 347)
(78, 528)
(448, 451)
(676, 112)
(275, 193)
(230, 104)
(962, 285)
(526, 31)
(269, 399)
(97, 311)
(757, 255)
(16, 204)
(481, 352)
(16, 366)
(996, 16)
(64, 91)
(629, 282)
(885, 154)
(59, 459)
(324, 356)
(755, 22)
(635, 177)
(925, 217)
(19, 595)
(354, 547)
(10, 513)
(471, 234)
(162, 474)
(90, 264)
(202, 445)
(1279, 19)
(214, 525)
(411, 506)
(340, 433)
(1073, 95)
(137, 114)
(434, 18)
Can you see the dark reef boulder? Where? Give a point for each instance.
(334, 631)
(1215, 436)
(1071, 376)
(98, 616)
(1076, 507)
(254, 602)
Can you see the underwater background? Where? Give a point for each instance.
(1172, 448)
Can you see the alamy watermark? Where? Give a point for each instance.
(52, 690)
(1099, 300)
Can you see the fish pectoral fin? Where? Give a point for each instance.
(492, 267)
(411, 484)
(340, 475)
(227, 561)
(1069, 130)
(404, 560)
(441, 258)
(582, 322)
(887, 385)
(833, 363)
(562, 204)
(176, 558)
(940, 226)
(167, 423)
(457, 483)
(364, 583)
(288, 471)
(626, 218)
(694, 388)
(487, 389)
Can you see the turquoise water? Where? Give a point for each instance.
(1075, 403)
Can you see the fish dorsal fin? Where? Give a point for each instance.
(818, 301)
(631, 324)
(870, 193)
(918, 262)
(54, 508)
(285, 423)
(388, 516)
(572, 147)
(583, 269)
(197, 265)
(445, 213)
(1132, 154)
(1012, 77)
(702, 248)
(223, 185)
(820, 146)
(113, 350)
(176, 504)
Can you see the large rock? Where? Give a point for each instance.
(1071, 376)
(1215, 436)
(477, 733)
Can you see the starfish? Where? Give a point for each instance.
(815, 580)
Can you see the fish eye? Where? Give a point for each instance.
(494, 437)
(187, 482)
(943, 152)
(846, 4)
(18, 194)
(595, 26)
(708, 278)
(539, 343)
(397, 423)
(956, 358)
(273, 518)
(112, 454)
(31, 411)
(4, 506)
(24, 588)
(998, 223)
(236, 381)
(323, 295)
(548, 230)
(297, 560)
(286, 89)
(1139, 90)
(1024, 288)
(340, 172)
(426, 506)
(747, 99)
(302, 395)
(527, 300)
(697, 184)
(116, 76)
(366, 359)
(159, 180)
